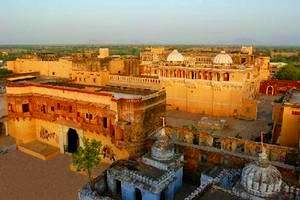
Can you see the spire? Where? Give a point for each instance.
(263, 157)
(163, 133)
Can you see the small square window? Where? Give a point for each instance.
(25, 107)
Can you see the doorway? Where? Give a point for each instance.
(73, 140)
(138, 194)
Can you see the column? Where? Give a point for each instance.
(111, 183)
(178, 181)
(128, 191)
(170, 192)
(6, 128)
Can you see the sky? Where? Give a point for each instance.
(258, 22)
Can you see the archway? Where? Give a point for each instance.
(138, 194)
(73, 140)
(119, 187)
(270, 90)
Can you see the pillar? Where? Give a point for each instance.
(111, 183)
(5, 128)
(128, 191)
(170, 192)
(178, 180)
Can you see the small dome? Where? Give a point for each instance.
(223, 58)
(162, 149)
(260, 178)
(175, 56)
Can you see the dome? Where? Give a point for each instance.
(260, 178)
(175, 56)
(223, 58)
(162, 149)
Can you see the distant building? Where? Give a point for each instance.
(103, 53)
(286, 117)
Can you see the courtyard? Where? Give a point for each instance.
(246, 129)
(23, 177)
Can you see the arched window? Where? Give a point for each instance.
(226, 76)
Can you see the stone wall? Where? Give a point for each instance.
(228, 151)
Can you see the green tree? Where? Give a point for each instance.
(289, 72)
(86, 158)
(4, 72)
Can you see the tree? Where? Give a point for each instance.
(86, 158)
(4, 72)
(289, 72)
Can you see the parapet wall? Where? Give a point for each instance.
(132, 81)
(228, 150)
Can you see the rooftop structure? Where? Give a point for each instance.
(175, 56)
(223, 59)
(152, 177)
(61, 112)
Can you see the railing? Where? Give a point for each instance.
(134, 81)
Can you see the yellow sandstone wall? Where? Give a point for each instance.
(116, 66)
(209, 98)
(290, 128)
(60, 68)
(22, 129)
(25, 130)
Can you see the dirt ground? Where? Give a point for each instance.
(23, 177)
(244, 128)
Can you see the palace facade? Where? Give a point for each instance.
(60, 113)
(201, 81)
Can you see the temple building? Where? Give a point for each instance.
(59, 113)
(156, 175)
(258, 180)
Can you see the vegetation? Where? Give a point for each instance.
(289, 72)
(290, 60)
(4, 72)
(88, 157)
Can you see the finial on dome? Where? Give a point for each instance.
(263, 157)
(163, 133)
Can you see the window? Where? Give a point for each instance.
(58, 106)
(70, 109)
(52, 108)
(78, 114)
(10, 107)
(25, 107)
(43, 109)
(105, 122)
(90, 116)
(53, 73)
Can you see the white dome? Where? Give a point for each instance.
(162, 149)
(260, 178)
(223, 58)
(175, 56)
